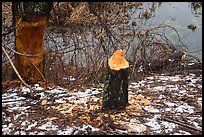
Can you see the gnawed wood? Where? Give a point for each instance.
(118, 61)
(115, 95)
(30, 19)
(30, 40)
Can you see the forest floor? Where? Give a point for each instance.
(160, 104)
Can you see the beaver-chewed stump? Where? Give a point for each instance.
(115, 95)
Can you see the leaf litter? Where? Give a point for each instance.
(160, 104)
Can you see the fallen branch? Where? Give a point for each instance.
(182, 124)
(17, 73)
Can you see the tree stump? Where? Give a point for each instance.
(115, 95)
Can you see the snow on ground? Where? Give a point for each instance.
(159, 104)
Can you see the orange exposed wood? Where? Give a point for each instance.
(118, 61)
(30, 40)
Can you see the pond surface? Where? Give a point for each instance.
(180, 15)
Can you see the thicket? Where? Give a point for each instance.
(81, 36)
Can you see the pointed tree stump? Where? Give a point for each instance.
(115, 95)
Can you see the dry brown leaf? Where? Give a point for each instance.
(89, 100)
(68, 111)
(65, 104)
(69, 94)
(139, 97)
(132, 101)
(94, 107)
(86, 119)
(98, 121)
(44, 102)
(53, 107)
(139, 100)
(145, 102)
(52, 118)
(136, 107)
(134, 113)
(96, 99)
(64, 112)
(122, 114)
(71, 114)
(155, 104)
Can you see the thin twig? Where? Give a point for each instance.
(17, 73)
(182, 124)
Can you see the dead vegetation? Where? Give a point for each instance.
(80, 37)
(79, 40)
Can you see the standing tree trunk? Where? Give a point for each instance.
(30, 19)
(115, 95)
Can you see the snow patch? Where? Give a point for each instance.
(168, 126)
(184, 108)
(153, 123)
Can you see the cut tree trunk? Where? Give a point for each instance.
(115, 95)
(30, 19)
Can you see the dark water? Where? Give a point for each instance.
(180, 15)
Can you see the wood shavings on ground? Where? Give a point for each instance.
(158, 105)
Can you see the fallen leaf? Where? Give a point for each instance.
(52, 118)
(145, 102)
(134, 113)
(44, 102)
(96, 99)
(65, 104)
(140, 97)
(68, 111)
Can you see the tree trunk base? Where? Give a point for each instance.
(115, 95)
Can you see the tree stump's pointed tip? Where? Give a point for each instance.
(118, 61)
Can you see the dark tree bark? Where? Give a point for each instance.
(115, 95)
(30, 19)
